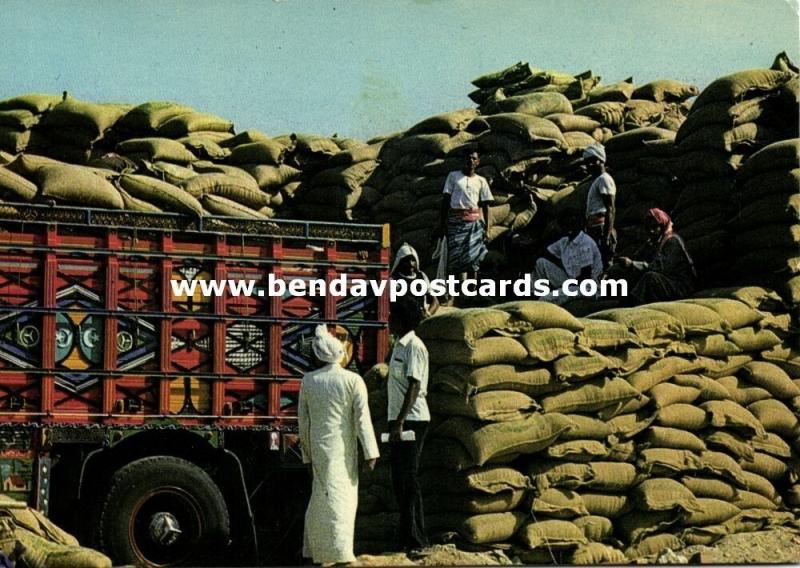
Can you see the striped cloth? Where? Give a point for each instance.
(465, 246)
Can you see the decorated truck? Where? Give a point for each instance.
(159, 427)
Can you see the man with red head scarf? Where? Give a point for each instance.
(669, 273)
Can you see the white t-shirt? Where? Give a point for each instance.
(409, 359)
(466, 192)
(603, 185)
(577, 253)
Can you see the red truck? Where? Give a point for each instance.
(161, 428)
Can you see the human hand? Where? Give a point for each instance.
(624, 261)
(371, 463)
(395, 432)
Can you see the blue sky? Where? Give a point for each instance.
(365, 67)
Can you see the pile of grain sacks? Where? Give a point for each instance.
(18, 116)
(734, 117)
(608, 437)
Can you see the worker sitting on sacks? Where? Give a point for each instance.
(464, 218)
(600, 203)
(574, 256)
(669, 274)
(333, 416)
(406, 267)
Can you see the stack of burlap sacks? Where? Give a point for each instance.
(604, 438)
(159, 156)
(734, 117)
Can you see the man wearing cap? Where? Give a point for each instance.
(333, 417)
(600, 203)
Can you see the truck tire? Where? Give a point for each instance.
(163, 511)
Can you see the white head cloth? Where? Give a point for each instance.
(402, 252)
(326, 347)
(595, 151)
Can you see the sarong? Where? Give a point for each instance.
(465, 246)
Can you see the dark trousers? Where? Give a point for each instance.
(404, 458)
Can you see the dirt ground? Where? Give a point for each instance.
(775, 546)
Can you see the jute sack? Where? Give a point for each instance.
(578, 451)
(272, 177)
(626, 426)
(609, 505)
(775, 416)
(567, 122)
(770, 377)
(774, 187)
(185, 124)
(735, 312)
(783, 155)
(742, 392)
(581, 367)
(15, 187)
(33, 102)
(682, 416)
(170, 173)
(469, 381)
(595, 527)
(715, 345)
(627, 407)
(663, 494)
(773, 445)
(147, 117)
(652, 545)
(662, 371)
(478, 503)
(665, 394)
(132, 203)
(558, 504)
(207, 167)
(549, 344)
(542, 315)
(737, 86)
(667, 462)
(267, 152)
(204, 147)
(13, 140)
(695, 318)
(586, 428)
(528, 128)
(74, 184)
(536, 104)
(722, 113)
(601, 476)
(753, 520)
(232, 188)
(710, 487)
(445, 453)
(703, 536)
(492, 406)
(486, 351)
(750, 500)
(672, 438)
(596, 553)
(465, 325)
(608, 113)
(666, 90)
(717, 368)
(723, 465)
(18, 119)
(450, 122)
(590, 396)
(766, 466)
(553, 534)
(218, 205)
(710, 512)
(650, 326)
(489, 480)
(161, 194)
(629, 360)
(485, 442)
(731, 443)
(728, 414)
(156, 149)
(635, 139)
(636, 525)
(492, 527)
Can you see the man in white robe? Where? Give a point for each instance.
(333, 417)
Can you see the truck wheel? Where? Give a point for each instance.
(163, 511)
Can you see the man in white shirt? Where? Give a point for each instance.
(465, 218)
(574, 256)
(408, 411)
(601, 202)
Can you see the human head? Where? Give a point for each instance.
(406, 261)
(327, 349)
(656, 223)
(594, 158)
(472, 161)
(405, 315)
(570, 222)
